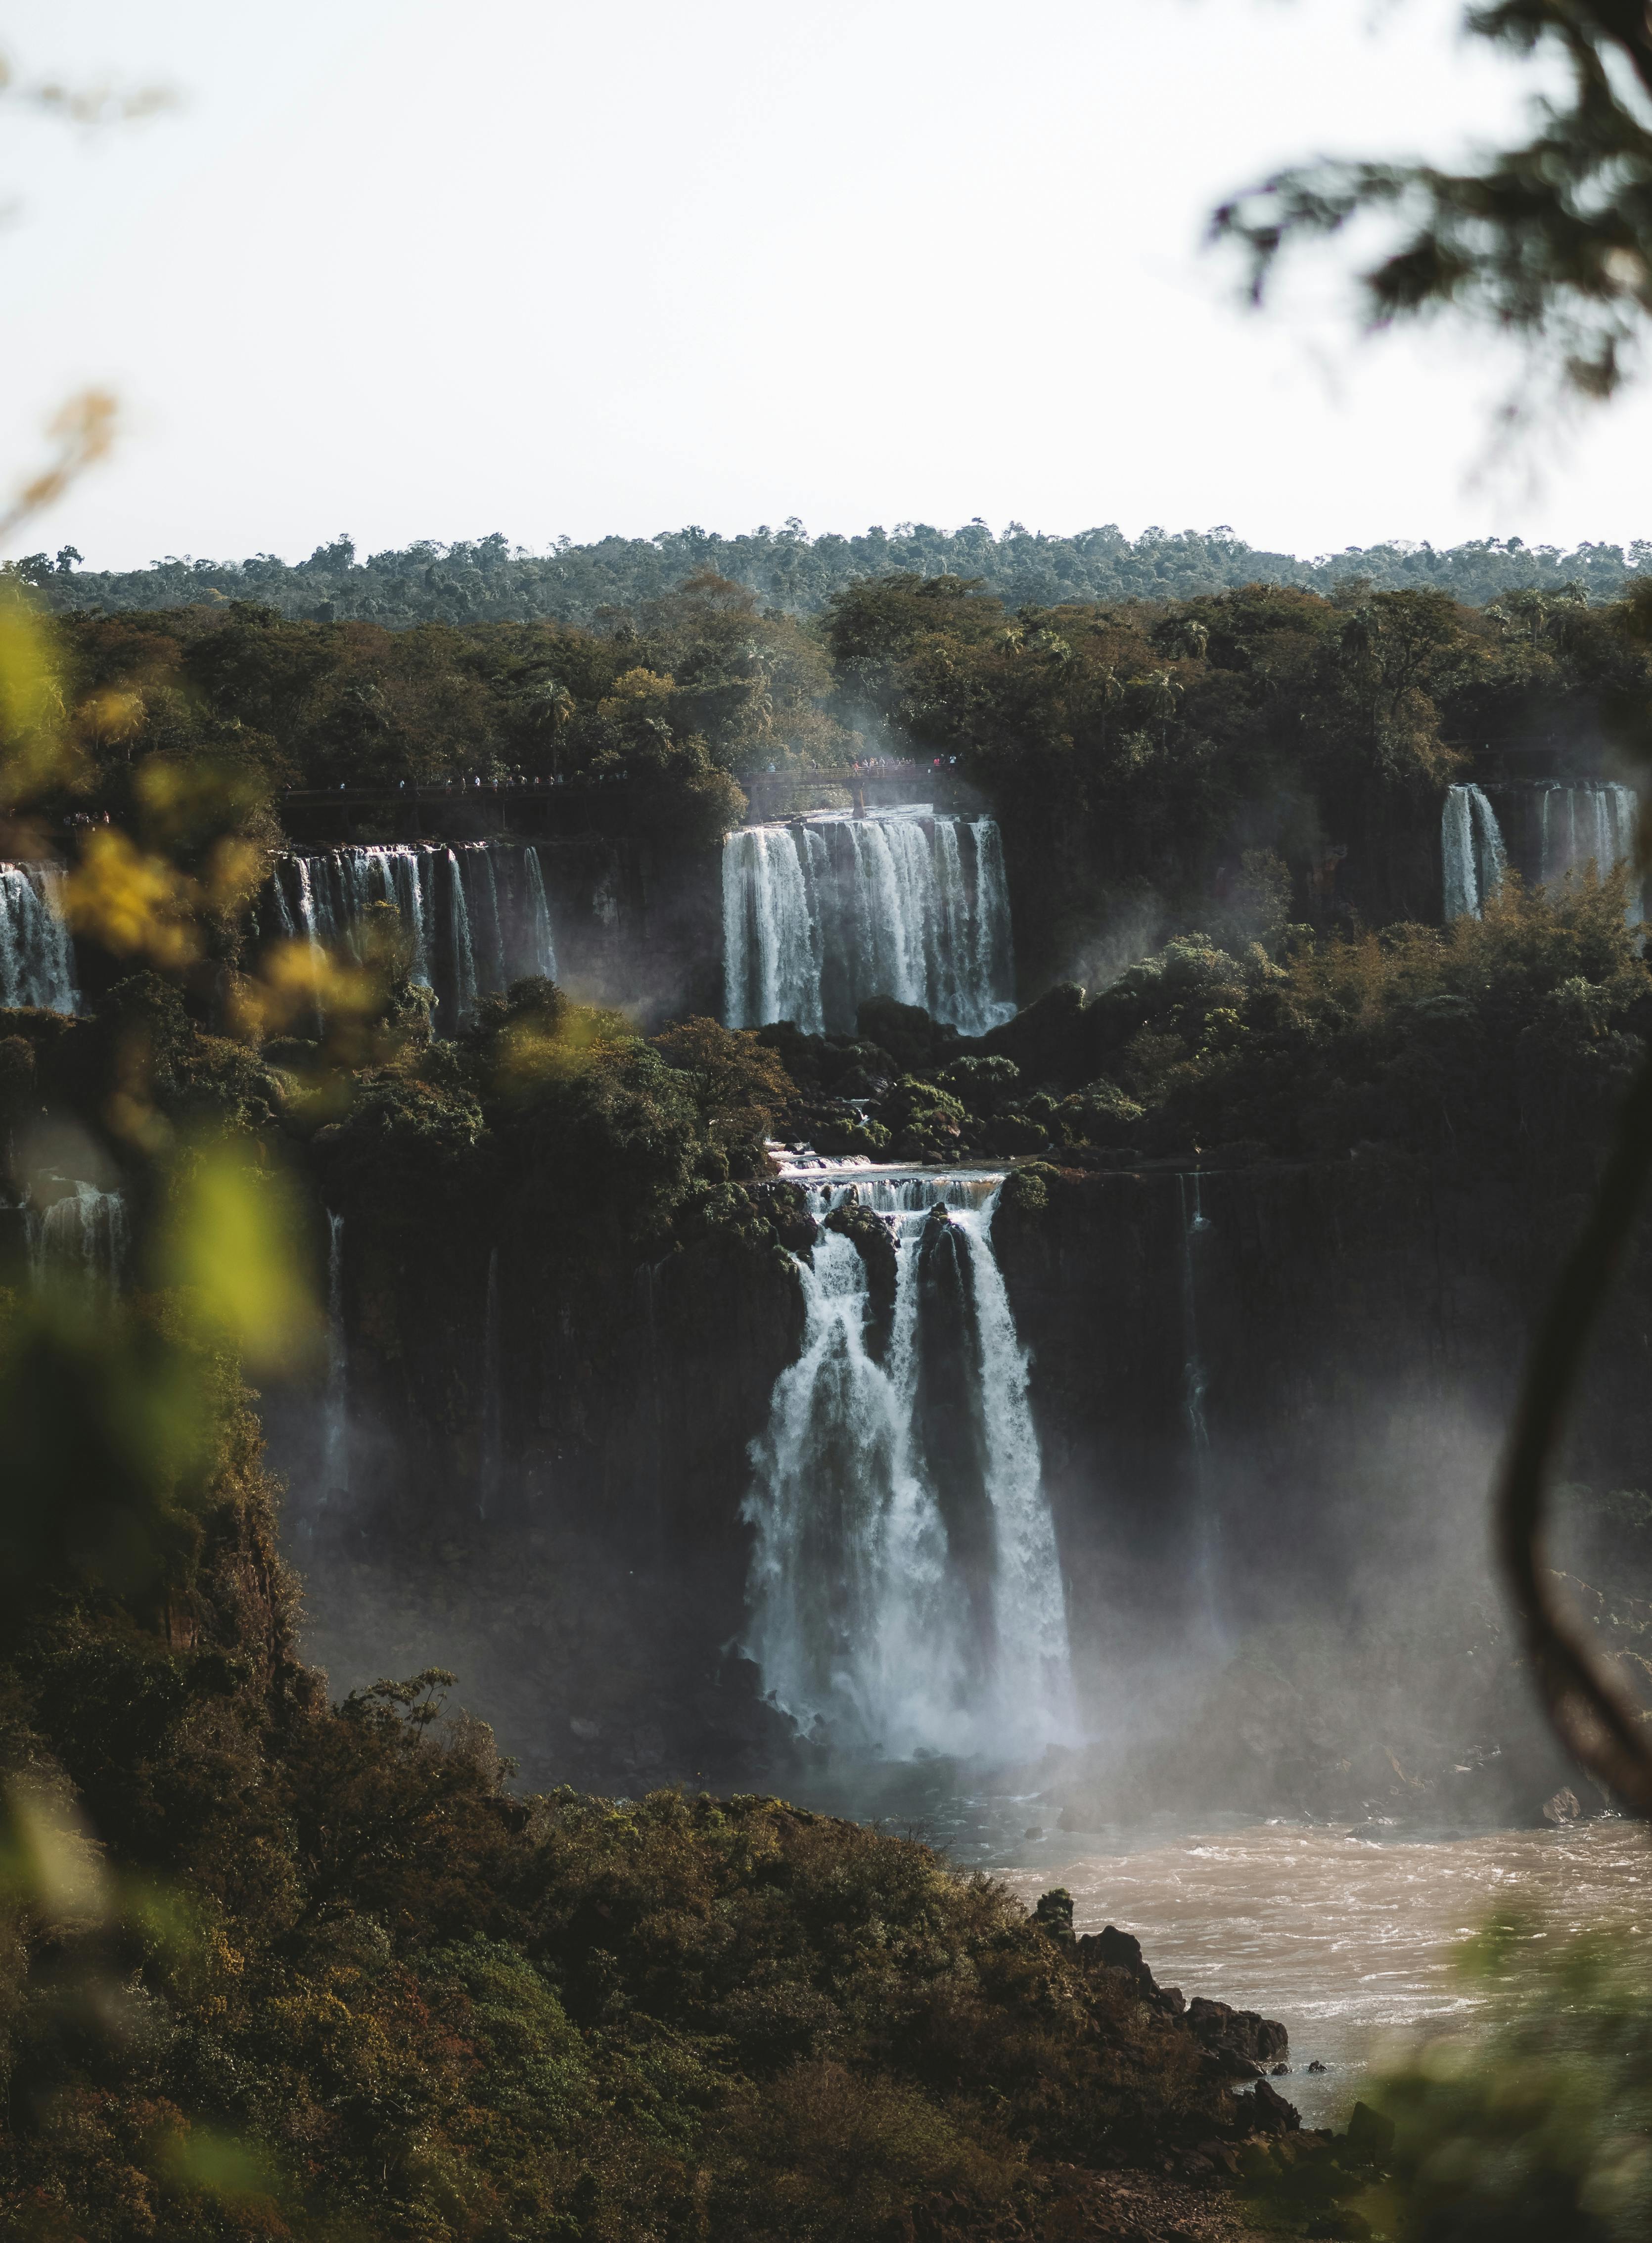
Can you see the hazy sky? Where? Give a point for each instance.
(411, 269)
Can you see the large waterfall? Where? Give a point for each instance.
(37, 962)
(906, 1592)
(824, 913)
(477, 913)
(1472, 852)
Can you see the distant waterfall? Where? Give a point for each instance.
(1472, 852)
(80, 1237)
(1582, 822)
(477, 914)
(336, 1417)
(492, 1396)
(821, 914)
(36, 963)
(1195, 1387)
(906, 1593)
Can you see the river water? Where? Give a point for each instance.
(1352, 1943)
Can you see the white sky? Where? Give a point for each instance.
(413, 268)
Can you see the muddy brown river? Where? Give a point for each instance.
(1355, 1944)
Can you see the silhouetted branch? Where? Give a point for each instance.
(1594, 1715)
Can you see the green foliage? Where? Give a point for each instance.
(1547, 241)
(1544, 2134)
(487, 580)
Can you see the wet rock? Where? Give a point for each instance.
(1267, 2111)
(873, 1241)
(1033, 1830)
(1113, 1949)
(1317, 2066)
(1562, 1808)
(1281, 2070)
(1239, 2032)
(1339, 2226)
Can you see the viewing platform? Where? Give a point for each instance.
(537, 810)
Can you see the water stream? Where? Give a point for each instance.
(36, 960)
(1472, 852)
(906, 1595)
(825, 911)
(477, 915)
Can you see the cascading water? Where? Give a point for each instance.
(336, 1417)
(79, 1238)
(478, 915)
(492, 1398)
(1587, 822)
(1194, 1388)
(1472, 852)
(37, 962)
(822, 913)
(906, 1593)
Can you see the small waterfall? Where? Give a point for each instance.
(1472, 852)
(464, 956)
(477, 914)
(1207, 1572)
(37, 962)
(544, 948)
(492, 1407)
(906, 1593)
(80, 1238)
(336, 1417)
(1584, 822)
(823, 913)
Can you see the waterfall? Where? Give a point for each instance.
(544, 948)
(1584, 822)
(37, 964)
(492, 1410)
(80, 1237)
(1194, 1386)
(823, 913)
(906, 1595)
(1472, 852)
(335, 1419)
(477, 915)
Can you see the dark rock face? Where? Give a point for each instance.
(1269, 2113)
(1358, 1323)
(874, 1243)
(1241, 2033)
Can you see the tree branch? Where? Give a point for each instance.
(1594, 1714)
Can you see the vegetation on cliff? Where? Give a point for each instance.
(1503, 1042)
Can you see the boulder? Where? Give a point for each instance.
(1237, 2032)
(1267, 2111)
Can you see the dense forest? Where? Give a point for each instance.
(277, 1967)
(489, 580)
(1135, 753)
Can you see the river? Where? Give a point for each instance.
(1351, 1942)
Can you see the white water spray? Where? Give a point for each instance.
(37, 964)
(335, 1419)
(823, 913)
(1473, 857)
(906, 1594)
